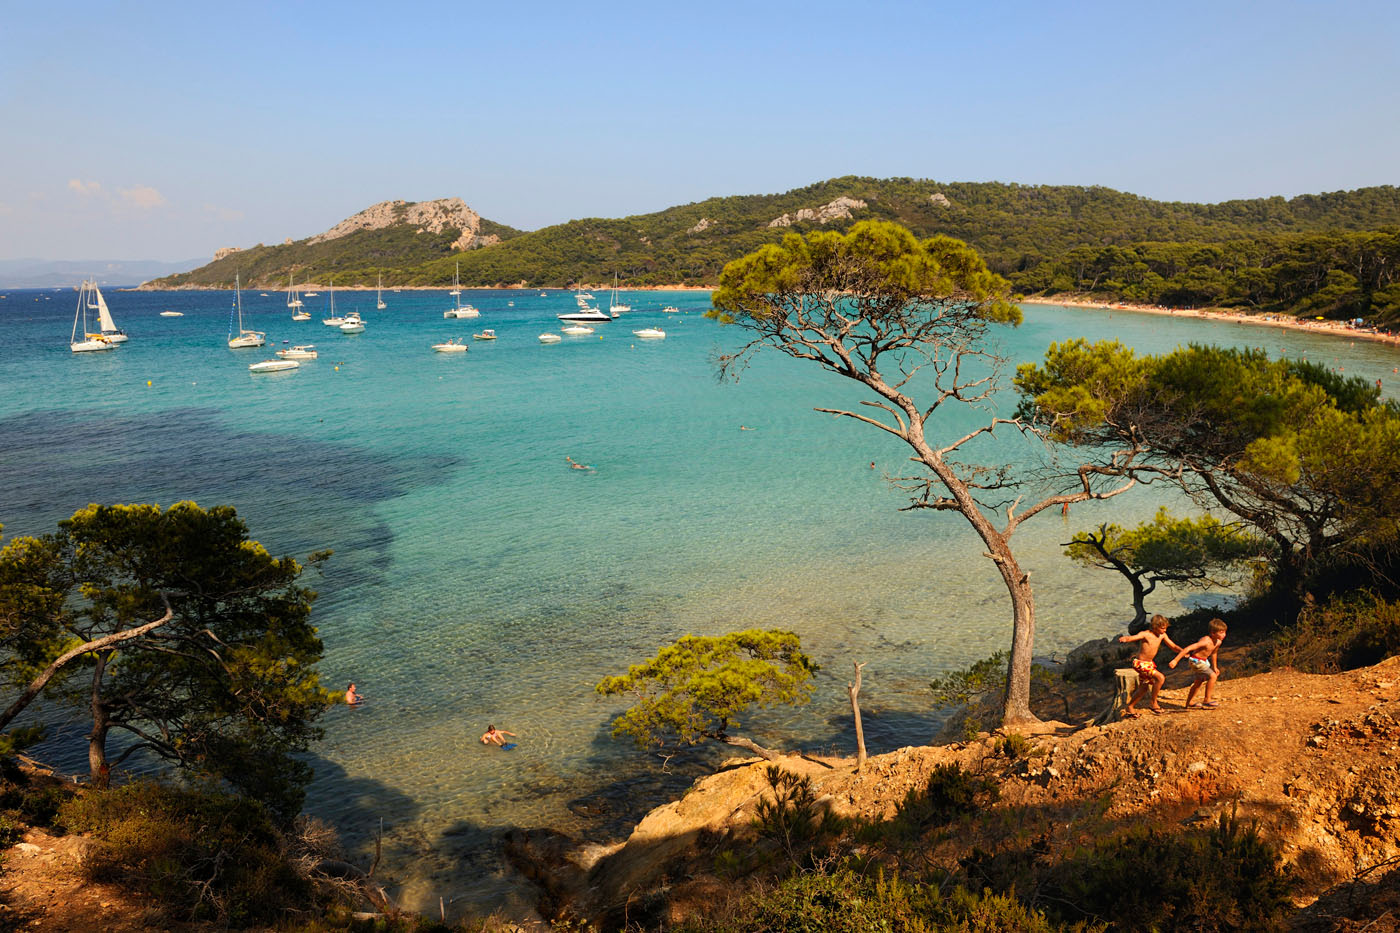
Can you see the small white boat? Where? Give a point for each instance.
(245, 338)
(273, 366)
(352, 324)
(293, 299)
(302, 316)
(304, 352)
(334, 320)
(90, 341)
(670, 309)
(577, 330)
(487, 334)
(452, 346)
(544, 294)
(616, 307)
(313, 294)
(650, 333)
(550, 338)
(461, 310)
(172, 314)
(379, 294)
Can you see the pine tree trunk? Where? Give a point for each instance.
(741, 742)
(1017, 706)
(98, 772)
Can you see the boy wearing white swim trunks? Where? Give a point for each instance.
(1203, 655)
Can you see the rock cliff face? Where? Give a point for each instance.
(427, 216)
(226, 251)
(839, 209)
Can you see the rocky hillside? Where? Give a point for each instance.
(387, 238)
(1315, 760)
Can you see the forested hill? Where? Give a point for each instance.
(1017, 227)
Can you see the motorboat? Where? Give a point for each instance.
(172, 314)
(273, 366)
(303, 352)
(245, 338)
(487, 334)
(586, 315)
(452, 346)
(577, 330)
(670, 309)
(352, 324)
(90, 341)
(650, 333)
(550, 338)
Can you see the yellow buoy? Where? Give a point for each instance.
(148, 382)
(337, 369)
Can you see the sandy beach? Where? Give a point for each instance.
(1336, 328)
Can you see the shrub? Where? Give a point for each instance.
(846, 902)
(207, 855)
(791, 818)
(1228, 878)
(1349, 632)
(951, 793)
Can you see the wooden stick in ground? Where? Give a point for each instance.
(854, 690)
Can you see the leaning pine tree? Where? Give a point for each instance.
(901, 316)
(696, 688)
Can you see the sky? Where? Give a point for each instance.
(156, 130)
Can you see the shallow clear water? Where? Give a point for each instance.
(477, 578)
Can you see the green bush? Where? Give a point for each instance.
(950, 794)
(791, 818)
(207, 855)
(1349, 632)
(846, 902)
(1225, 879)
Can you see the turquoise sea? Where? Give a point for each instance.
(478, 579)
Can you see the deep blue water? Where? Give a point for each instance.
(477, 578)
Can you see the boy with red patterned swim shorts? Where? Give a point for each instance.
(1149, 678)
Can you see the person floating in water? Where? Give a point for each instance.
(352, 698)
(494, 736)
(574, 464)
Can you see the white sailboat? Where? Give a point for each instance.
(109, 329)
(379, 294)
(334, 320)
(299, 312)
(461, 310)
(615, 307)
(245, 338)
(89, 342)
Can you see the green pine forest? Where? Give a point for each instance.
(1334, 255)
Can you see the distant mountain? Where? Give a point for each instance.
(391, 237)
(1016, 227)
(56, 273)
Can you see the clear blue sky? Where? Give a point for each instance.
(155, 130)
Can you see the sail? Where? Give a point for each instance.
(104, 316)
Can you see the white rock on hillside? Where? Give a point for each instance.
(839, 209)
(427, 216)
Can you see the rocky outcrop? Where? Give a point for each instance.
(226, 251)
(939, 199)
(839, 209)
(426, 216)
(704, 224)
